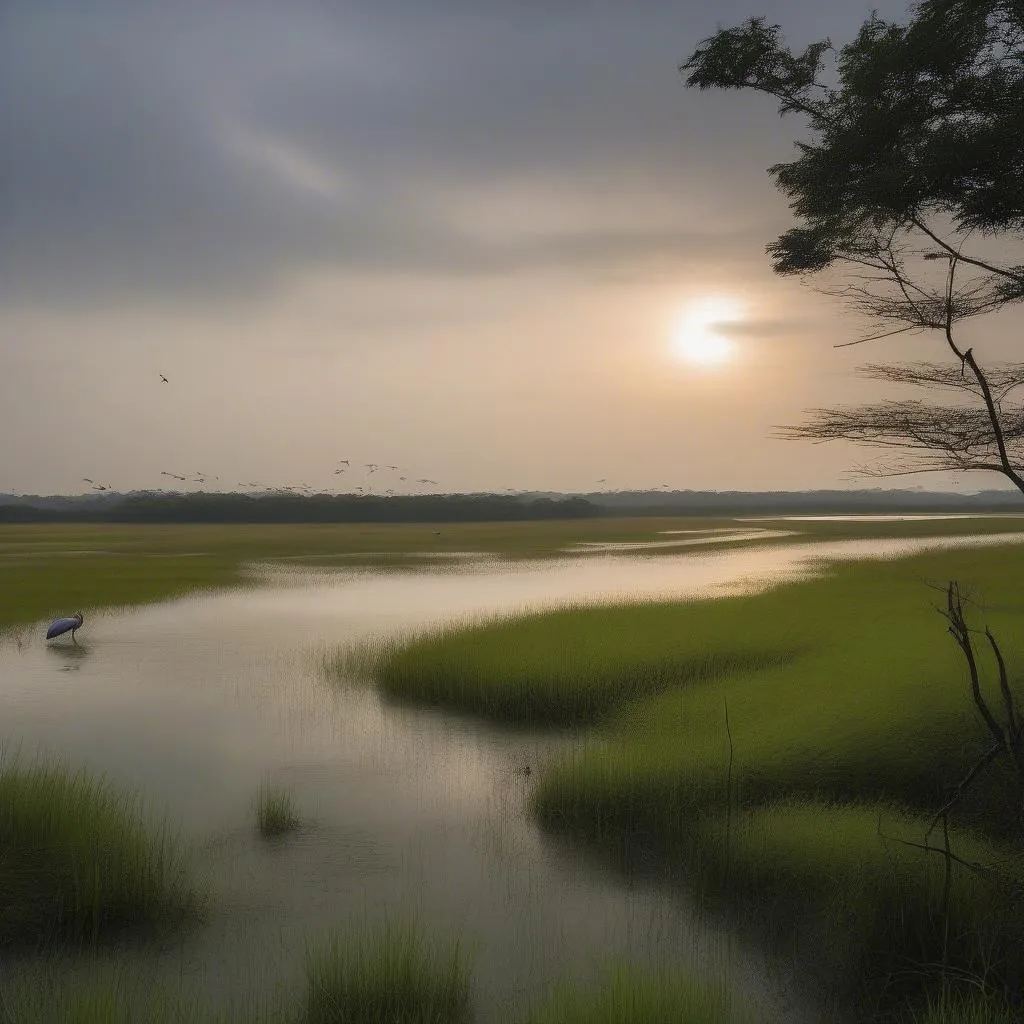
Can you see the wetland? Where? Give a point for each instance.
(396, 697)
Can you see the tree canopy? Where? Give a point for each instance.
(924, 121)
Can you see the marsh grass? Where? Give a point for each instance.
(848, 705)
(840, 886)
(969, 1007)
(105, 998)
(105, 994)
(79, 860)
(391, 976)
(569, 667)
(275, 812)
(631, 996)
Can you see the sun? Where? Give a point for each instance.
(697, 333)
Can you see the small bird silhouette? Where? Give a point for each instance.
(164, 379)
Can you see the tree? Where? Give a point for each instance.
(912, 190)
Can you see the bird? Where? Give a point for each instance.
(60, 626)
(163, 472)
(86, 479)
(342, 462)
(371, 466)
(100, 487)
(395, 468)
(164, 379)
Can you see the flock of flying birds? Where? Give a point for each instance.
(394, 475)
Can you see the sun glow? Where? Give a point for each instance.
(698, 332)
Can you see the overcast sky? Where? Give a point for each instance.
(468, 238)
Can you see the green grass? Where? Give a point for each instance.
(275, 812)
(630, 996)
(969, 1007)
(78, 860)
(839, 886)
(391, 977)
(847, 700)
(568, 667)
(104, 998)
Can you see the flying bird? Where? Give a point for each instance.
(86, 479)
(163, 472)
(342, 462)
(164, 379)
(61, 626)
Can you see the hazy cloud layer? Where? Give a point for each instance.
(198, 148)
(448, 234)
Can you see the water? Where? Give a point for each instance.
(196, 703)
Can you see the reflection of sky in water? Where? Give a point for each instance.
(721, 537)
(194, 703)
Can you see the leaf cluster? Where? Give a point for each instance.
(924, 120)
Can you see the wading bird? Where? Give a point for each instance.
(61, 626)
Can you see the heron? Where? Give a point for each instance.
(60, 626)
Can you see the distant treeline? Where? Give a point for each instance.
(290, 508)
(149, 507)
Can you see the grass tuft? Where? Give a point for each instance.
(78, 859)
(390, 977)
(275, 812)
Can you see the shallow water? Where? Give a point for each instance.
(195, 703)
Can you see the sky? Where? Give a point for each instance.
(496, 245)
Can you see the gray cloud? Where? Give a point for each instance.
(194, 150)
